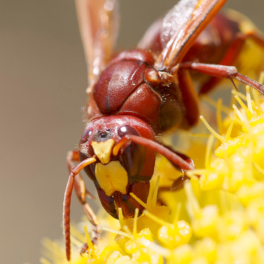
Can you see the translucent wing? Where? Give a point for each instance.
(176, 18)
(98, 22)
(180, 28)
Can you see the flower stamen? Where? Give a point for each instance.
(216, 135)
(139, 201)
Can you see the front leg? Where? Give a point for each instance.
(179, 182)
(232, 55)
(222, 71)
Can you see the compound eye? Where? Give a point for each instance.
(127, 130)
(85, 136)
(133, 156)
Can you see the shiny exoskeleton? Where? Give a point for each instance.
(137, 95)
(130, 85)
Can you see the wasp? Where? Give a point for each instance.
(138, 94)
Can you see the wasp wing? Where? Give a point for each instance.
(181, 26)
(98, 22)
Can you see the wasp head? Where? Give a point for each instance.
(116, 173)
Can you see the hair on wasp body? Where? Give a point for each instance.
(138, 94)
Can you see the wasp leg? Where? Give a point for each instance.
(189, 98)
(222, 71)
(231, 56)
(82, 192)
(84, 249)
(183, 156)
(178, 184)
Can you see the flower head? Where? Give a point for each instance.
(218, 217)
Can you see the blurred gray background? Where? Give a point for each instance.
(43, 82)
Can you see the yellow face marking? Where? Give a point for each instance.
(103, 150)
(111, 177)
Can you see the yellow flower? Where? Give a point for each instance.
(218, 217)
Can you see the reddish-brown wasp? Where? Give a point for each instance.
(137, 94)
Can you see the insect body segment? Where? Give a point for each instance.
(127, 84)
(117, 175)
(136, 95)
